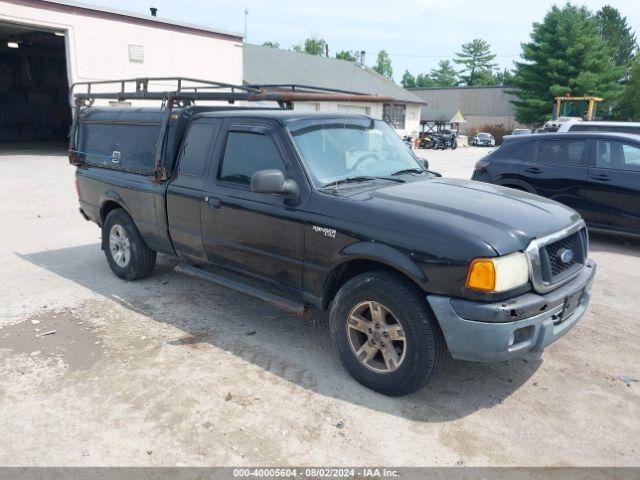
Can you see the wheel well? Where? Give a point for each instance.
(106, 208)
(348, 270)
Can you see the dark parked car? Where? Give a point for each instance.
(332, 211)
(596, 173)
(483, 140)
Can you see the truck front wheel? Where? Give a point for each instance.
(386, 336)
(127, 254)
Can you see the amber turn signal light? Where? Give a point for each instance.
(482, 275)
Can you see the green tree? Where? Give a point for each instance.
(383, 64)
(312, 46)
(423, 80)
(566, 55)
(617, 34)
(477, 60)
(505, 77)
(271, 44)
(347, 55)
(445, 75)
(628, 105)
(408, 80)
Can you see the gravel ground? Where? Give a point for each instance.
(173, 371)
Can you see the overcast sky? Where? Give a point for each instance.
(416, 33)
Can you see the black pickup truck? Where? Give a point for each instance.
(333, 211)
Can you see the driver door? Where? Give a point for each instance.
(255, 233)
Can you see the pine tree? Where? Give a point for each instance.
(424, 81)
(628, 106)
(445, 75)
(617, 34)
(566, 55)
(477, 59)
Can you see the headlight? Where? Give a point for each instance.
(498, 274)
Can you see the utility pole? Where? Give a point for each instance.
(246, 16)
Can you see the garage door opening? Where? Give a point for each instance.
(34, 90)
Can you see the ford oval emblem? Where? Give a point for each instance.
(565, 255)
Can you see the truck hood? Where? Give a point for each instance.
(504, 218)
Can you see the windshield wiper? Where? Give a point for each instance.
(416, 170)
(360, 178)
(409, 170)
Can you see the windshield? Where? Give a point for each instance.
(340, 148)
(484, 135)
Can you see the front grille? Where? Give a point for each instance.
(563, 257)
(555, 250)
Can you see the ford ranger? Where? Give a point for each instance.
(334, 212)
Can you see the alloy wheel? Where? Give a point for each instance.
(376, 337)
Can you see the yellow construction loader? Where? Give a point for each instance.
(570, 108)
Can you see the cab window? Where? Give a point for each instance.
(195, 149)
(247, 153)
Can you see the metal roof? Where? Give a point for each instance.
(274, 67)
(485, 101)
(446, 116)
(148, 19)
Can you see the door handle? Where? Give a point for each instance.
(212, 202)
(534, 170)
(601, 178)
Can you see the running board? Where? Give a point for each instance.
(282, 303)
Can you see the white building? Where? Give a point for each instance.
(47, 45)
(278, 70)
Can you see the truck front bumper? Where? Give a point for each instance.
(495, 332)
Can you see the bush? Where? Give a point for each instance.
(498, 131)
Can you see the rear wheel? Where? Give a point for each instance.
(386, 337)
(127, 254)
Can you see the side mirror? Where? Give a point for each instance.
(424, 163)
(273, 181)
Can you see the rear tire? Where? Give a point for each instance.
(369, 312)
(127, 254)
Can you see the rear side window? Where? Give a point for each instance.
(247, 153)
(617, 155)
(521, 152)
(514, 150)
(195, 150)
(560, 152)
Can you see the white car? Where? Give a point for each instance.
(482, 139)
(620, 127)
(555, 124)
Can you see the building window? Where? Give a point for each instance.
(394, 114)
(136, 53)
(358, 109)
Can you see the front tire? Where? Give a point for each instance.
(386, 337)
(127, 254)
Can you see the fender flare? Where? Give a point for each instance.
(375, 252)
(111, 196)
(383, 253)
